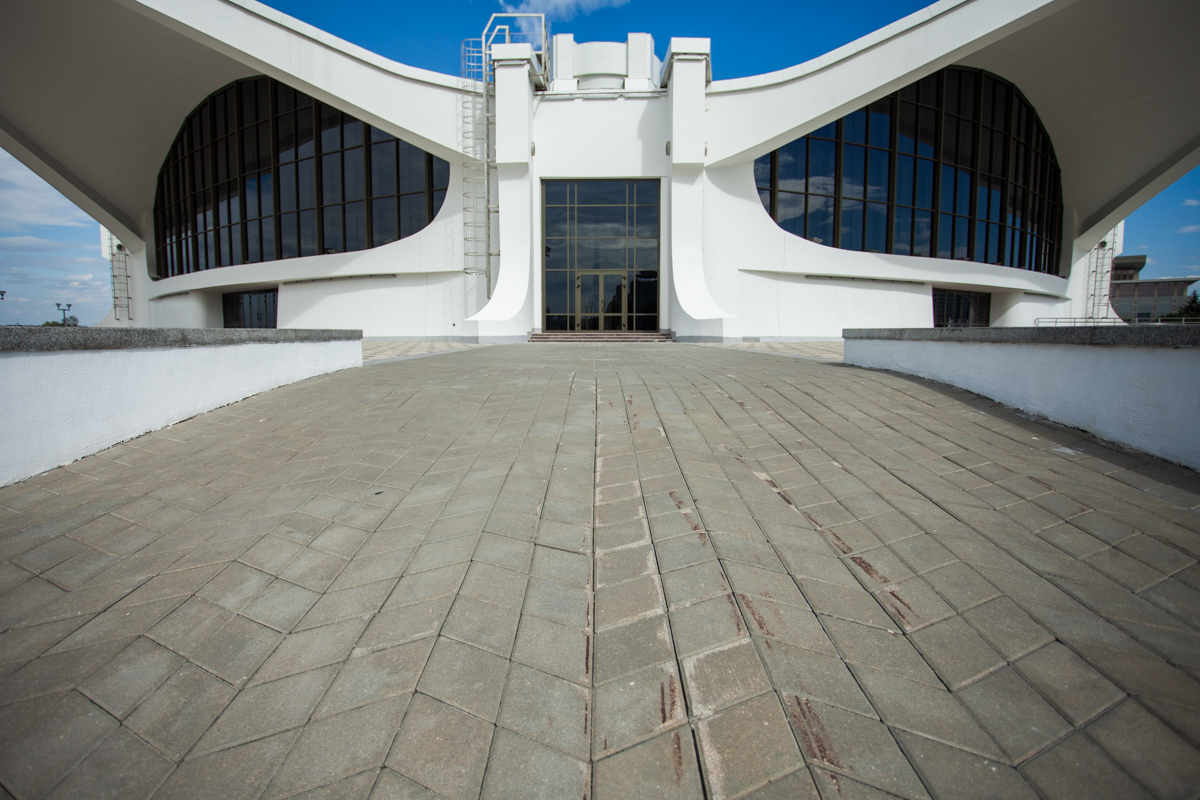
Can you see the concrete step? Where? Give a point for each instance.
(590, 337)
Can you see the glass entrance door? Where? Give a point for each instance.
(595, 231)
(600, 298)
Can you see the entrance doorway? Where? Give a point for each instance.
(600, 255)
(600, 298)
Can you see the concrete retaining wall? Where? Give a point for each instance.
(67, 393)
(1139, 386)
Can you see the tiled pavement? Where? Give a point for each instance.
(818, 351)
(381, 349)
(603, 572)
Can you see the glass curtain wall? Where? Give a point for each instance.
(961, 309)
(955, 166)
(250, 309)
(593, 232)
(260, 171)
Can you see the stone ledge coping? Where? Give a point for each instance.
(21, 339)
(1106, 335)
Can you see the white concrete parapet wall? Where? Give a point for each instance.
(1138, 386)
(68, 393)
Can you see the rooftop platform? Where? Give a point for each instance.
(603, 571)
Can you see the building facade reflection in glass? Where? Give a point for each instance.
(600, 255)
(260, 171)
(955, 166)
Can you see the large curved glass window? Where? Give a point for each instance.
(957, 165)
(260, 171)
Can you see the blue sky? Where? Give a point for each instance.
(49, 250)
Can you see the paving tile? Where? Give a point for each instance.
(629, 648)
(423, 586)
(442, 748)
(1077, 768)
(465, 677)
(950, 772)
(879, 649)
(175, 716)
(358, 601)
(310, 649)
(22, 644)
(1007, 628)
(565, 605)
(927, 710)
(1076, 690)
(795, 671)
(266, 709)
(121, 684)
(391, 785)
(723, 676)
(960, 585)
(547, 709)
(337, 746)
(1150, 751)
(573, 569)
(235, 586)
(633, 709)
(706, 624)
(746, 746)
(123, 766)
(235, 652)
(623, 603)
(56, 671)
(663, 767)
(1015, 715)
(313, 570)
(405, 624)
(280, 605)
(52, 745)
(483, 625)
(956, 652)
(521, 767)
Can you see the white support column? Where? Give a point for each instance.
(509, 315)
(687, 75)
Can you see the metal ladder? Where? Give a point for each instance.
(1100, 261)
(478, 120)
(118, 258)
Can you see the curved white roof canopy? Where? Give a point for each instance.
(96, 90)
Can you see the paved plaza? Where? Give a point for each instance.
(603, 571)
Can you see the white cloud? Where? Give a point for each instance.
(25, 199)
(561, 10)
(32, 244)
(1189, 229)
(1191, 201)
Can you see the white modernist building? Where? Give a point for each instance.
(958, 167)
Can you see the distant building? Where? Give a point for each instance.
(1137, 300)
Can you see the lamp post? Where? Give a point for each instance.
(64, 311)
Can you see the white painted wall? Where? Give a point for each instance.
(1143, 397)
(417, 306)
(63, 405)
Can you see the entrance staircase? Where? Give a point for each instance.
(597, 337)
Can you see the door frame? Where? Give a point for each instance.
(600, 273)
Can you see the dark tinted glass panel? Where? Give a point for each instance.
(241, 161)
(854, 171)
(791, 212)
(762, 170)
(556, 193)
(852, 225)
(385, 219)
(646, 222)
(557, 294)
(792, 166)
(822, 166)
(600, 221)
(557, 221)
(600, 192)
(854, 127)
